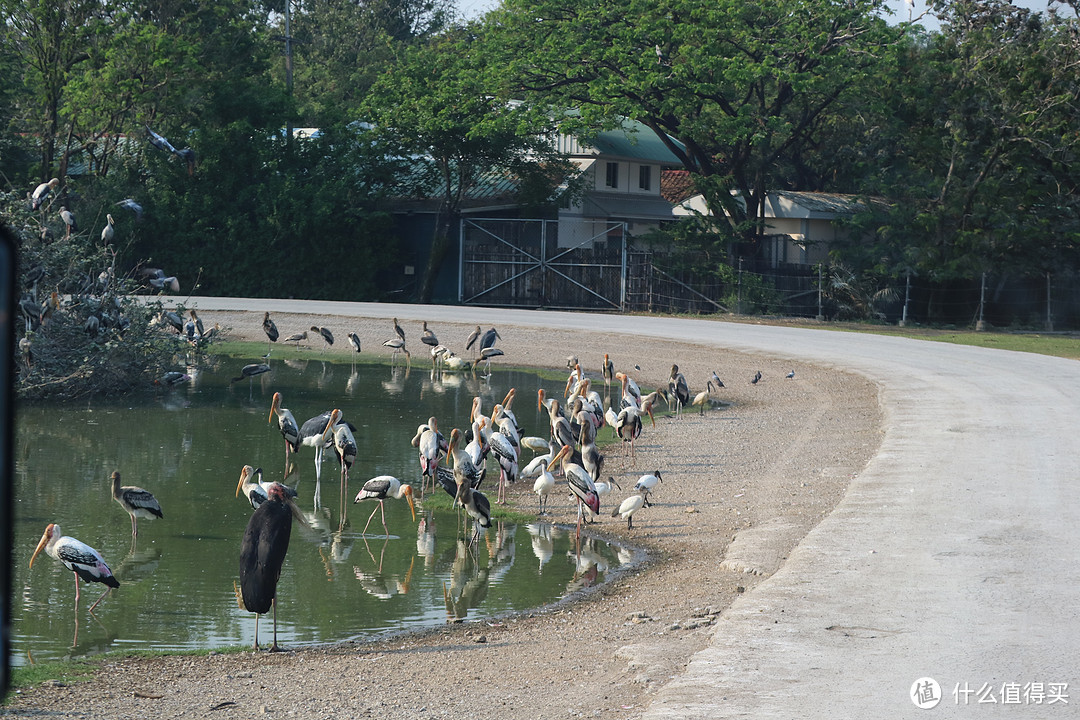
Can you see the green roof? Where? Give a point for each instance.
(634, 141)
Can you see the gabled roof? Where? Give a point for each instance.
(631, 141)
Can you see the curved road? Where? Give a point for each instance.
(952, 556)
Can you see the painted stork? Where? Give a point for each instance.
(173, 378)
(631, 394)
(467, 473)
(628, 507)
(346, 451)
(628, 427)
(486, 354)
(42, 191)
(591, 458)
(250, 370)
(79, 558)
(380, 488)
(608, 371)
(507, 456)
(473, 337)
(296, 338)
(287, 425)
(581, 485)
(318, 433)
(138, 503)
(431, 446)
(109, 231)
(255, 489)
(262, 552)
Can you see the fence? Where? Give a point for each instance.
(1049, 302)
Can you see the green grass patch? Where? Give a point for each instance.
(68, 672)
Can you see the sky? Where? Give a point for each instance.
(475, 8)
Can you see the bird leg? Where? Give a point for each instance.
(255, 647)
(134, 526)
(107, 591)
(76, 591)
(274, 647)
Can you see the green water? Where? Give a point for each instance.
(187, 447)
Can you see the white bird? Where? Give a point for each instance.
(107, 232)
(535, 465)
(646, 483)
(543, 486)
(69, 220)
(628, 507)
(42, 191)
(534, 443)
(605, 488)
(702, 398)
(380, 488)
(287, 424)
(138, 503)
(79, 558)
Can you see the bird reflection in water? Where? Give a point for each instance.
(396, 384)
(384, 586)
(425, 539)
(543, 542)
(470, 578)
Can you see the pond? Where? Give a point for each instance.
(187, 446)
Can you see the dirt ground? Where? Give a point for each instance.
(742, 484)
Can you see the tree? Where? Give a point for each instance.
(740, 88)
(440, 106)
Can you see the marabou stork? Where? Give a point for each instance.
(326, 334)
(262, 552)
(489, 338)
(473, 337)
(679, 390)
(270, 329)
(79, 558)
(138, 503)
(380, 488)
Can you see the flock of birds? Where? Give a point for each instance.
(456, 464)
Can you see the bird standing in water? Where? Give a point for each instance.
(79, 558)
(262, 553)
(137, 502)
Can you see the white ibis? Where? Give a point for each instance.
(605, 488)
(79, 558)
(581, 485)
(109, 231)
(679, 389)
(380, 488)
(287, 425)
(270, 329)
(628, 507)
(69, 220)
(701, 400)
(262, 553)
(646, 483)
(42, 191)
(428, 337)
(138, 503)
(325, 332)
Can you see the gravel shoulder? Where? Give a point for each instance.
(742, 485)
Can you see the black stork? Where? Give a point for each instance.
(79, 558)
(262, 552)
(137, 502)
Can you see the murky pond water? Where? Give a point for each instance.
(187, 446)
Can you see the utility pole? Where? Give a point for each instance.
(907, 296)
(820, 314)
(981, 325)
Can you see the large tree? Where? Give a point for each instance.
(740, 88)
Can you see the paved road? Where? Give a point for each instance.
(953, 556)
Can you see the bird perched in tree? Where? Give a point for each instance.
(270, 329)
(108, 232)
(325, 332)
(69, 220)
(42, 191)
(137, 502)
(134, 207)
(79, 558)
(262, 553)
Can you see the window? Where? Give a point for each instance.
(645, 177)
(612, 180)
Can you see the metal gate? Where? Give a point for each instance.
(525, 263)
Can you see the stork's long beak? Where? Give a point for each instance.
(408, 497)
(563, 452)
(274, 407)
(41, 544)
(243, 477)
